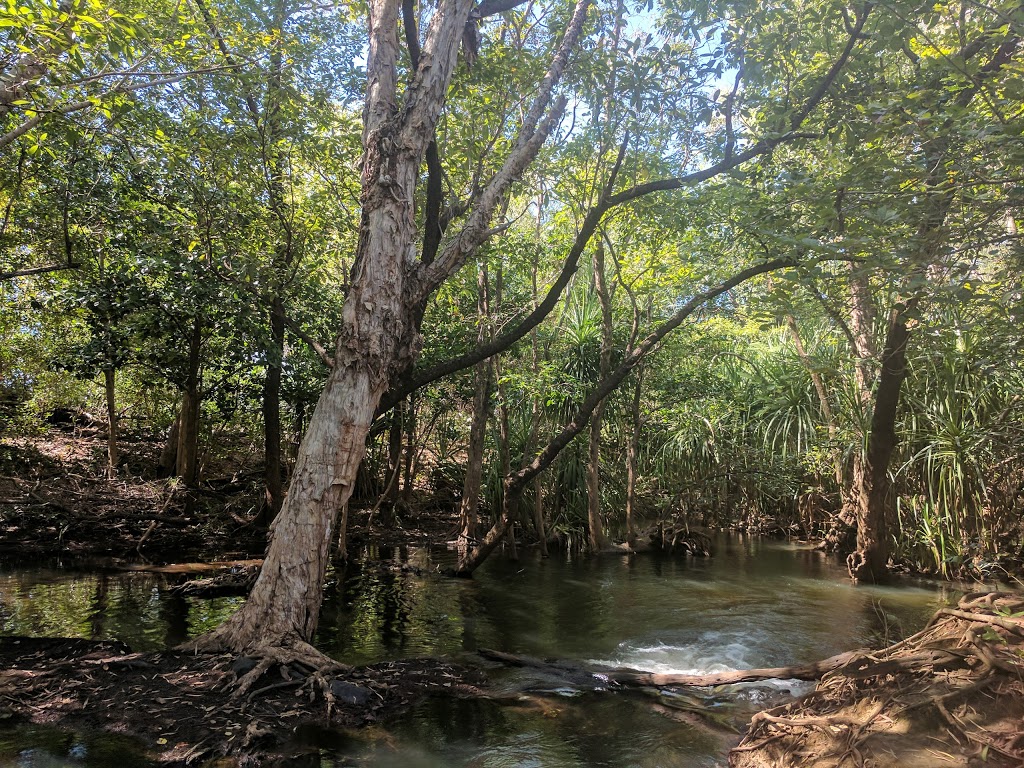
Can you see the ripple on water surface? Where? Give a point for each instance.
(754, 604)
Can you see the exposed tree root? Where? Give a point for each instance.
(175, 703)
(952, 694)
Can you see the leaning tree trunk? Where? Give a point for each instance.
(376, 337)
(388, 291)
(284, 606)
(869, 563)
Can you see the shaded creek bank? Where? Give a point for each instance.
(755, 604)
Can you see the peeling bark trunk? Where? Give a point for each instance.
(375, 340)
(284, 605)
(388, 292)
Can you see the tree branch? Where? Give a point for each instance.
(36, 271)
(516, 482)
(539, 122)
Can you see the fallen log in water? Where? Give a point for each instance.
(637, 678)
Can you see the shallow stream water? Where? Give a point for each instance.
(756, 603)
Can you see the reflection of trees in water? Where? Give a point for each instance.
(174, 611)
(99, 609)
(47, 605)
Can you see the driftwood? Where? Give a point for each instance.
(638, 679)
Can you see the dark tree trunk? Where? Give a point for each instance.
(869, 563)
(632, 449)
(187, 464)
(595, 518)
(112, 426)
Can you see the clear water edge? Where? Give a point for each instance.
(756, 603)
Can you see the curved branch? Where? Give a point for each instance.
(516, 482)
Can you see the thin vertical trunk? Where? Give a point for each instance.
(272, 468)
(188, 429)
(595, 518)
(409, 473)
(478, 427)
(823, 403)
(536, 409)
(395, 444)
(112, 452)
(865, 355)
(504, 433)
(632, 449)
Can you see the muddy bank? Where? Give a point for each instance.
(57, 502)
(180, 706)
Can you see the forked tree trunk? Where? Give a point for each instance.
(388, 292)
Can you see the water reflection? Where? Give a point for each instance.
(756, 603)
(42, 747)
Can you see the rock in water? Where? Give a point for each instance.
(349, 693)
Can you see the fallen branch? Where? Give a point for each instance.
(638, 678)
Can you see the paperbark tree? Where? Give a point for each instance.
(389, 290)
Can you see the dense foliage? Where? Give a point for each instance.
(180, 186)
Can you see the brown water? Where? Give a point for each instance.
(756, 603)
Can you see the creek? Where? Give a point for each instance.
(756, 603)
